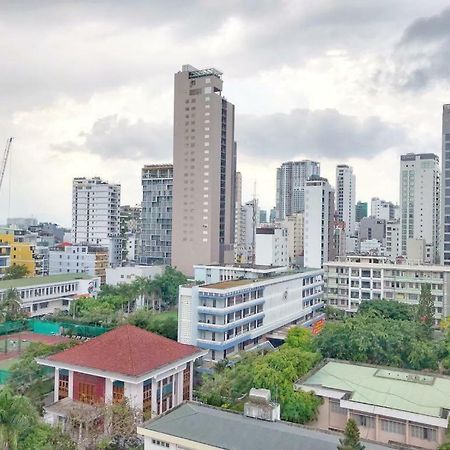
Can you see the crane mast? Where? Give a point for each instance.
(5, 160)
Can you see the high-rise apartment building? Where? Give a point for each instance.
(393, 239)
(360, 211)
(382, 209)
(345, 197)
(156, 224)
(445, 199)
(420, 201)
(319, 222)
(291, 179)
(204, 157)
(96, 215)
(245, 235)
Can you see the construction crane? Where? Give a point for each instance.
(5, 160)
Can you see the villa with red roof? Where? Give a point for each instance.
(154, 373)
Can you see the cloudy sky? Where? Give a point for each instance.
(86, 88)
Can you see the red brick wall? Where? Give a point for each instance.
(98, 382)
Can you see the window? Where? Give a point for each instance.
(425, 433)
(364, 421)
(391, 426)
(160, 443)
(118, 391)
(147, 397)
(63, 387)
(187, 382)
(336, 407)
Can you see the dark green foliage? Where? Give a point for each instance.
(369, 339)
(15, 272)
(351, 439)
(45, 437)
(165, 324)
(387, 309)
(425, 310)
(334, 313)
(275, 371)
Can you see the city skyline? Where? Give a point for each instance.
(94, 109)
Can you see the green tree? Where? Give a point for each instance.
(16, 416)
(300, 337)
(445, 446)
(11, 306)
(15, 272)
(351, 439)
(387, 309)
(165, 324)
(168, 284)
(46, 437)
(425, 310)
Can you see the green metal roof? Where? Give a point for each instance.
(37, 281)
(404, 390)
(233, 431)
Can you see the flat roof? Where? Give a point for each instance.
(231, 283)
(37, 281)
(234, 431)
(388, 387)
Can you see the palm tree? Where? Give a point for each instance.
(11, 306)
(16, 416)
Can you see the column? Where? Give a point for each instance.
(56, 386)
(191, 381)
(108, 390)
(407, 431)
(154, 399)
(71, 384)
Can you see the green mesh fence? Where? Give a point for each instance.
(72, 329)
(12, 327)
(4, 375)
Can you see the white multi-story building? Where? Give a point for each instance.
(291, 181)
(445, 191)
(420, 201)
(271, 246)
(245, 232)
(295, 233)
(96, 215)
(345, 197)
(319, 222)
(45, 295)
(128, 274)
(78, 258)
(236, 314)
(393, 239)
(355, 279)
(382, 209)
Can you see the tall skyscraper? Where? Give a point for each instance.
(345, 197)
(319, 222)
(204, 170)
(96, 215)
(360, 211)
(445, 199)
(420, 201)
(291, 179)
(156, 230)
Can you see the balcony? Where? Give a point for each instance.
(223, 311)
(228, 326)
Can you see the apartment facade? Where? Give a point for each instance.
(295, 225)
(420, 201)
(78, 258)
(393, 239)
(382, 209)
(319, 222)
(271, 246)
(345, 197)
(389, 405)
(355, 279)
(246, 223)
(445, 191)
(18, 253)
(45, 295)
(157, 203)
(360, 211)
(96, 215)
(235, 314)
(204, 156)
(291, 181)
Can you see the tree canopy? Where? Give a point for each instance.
(15, 271)
(351, 439)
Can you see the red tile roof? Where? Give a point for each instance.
(128, 350)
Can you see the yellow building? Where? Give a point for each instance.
(21, 253)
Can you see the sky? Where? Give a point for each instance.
(86, 89)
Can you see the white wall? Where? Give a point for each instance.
(128, 274)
